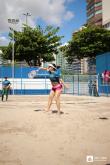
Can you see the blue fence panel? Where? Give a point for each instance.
(102, 64)
(5, 71)
(21, 79)
(19, 72)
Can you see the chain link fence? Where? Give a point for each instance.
(78, 84)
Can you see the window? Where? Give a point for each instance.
(90, 16)
(98, 4)
(107, 25)
(98, 12)
(90, 8)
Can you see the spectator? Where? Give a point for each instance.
(94, 88)
(90, 87)
(106, 76)
(5, 88)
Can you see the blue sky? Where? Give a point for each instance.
(78, 7)
(69, 15)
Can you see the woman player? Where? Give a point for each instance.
(57, 85)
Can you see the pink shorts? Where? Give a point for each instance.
(57, 87)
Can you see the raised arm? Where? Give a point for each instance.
(42, 68)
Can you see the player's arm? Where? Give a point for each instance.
(42, 68)
(63, 83)
(8, 86)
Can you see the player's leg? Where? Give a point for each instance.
(57, 99)
(2, 97)
(3, 93)
(50, 99)
(7, 94)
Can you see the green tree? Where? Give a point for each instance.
(34, 45)
(88, 42)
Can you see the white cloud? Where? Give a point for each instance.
(51, 11)
(69, 15)
(3, 41)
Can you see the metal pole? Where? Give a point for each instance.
(13, 70)
(26, 19)
(21, 79)
(13, 21)
(78, 85)
(56, 59)
(27, 15)
(73, 84)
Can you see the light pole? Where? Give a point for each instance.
(27, 15)
(13, 21)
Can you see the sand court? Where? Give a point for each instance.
(29, 136)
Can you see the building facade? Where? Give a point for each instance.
(98, 13)
(94, 12)
(106, 14)
(77, 66)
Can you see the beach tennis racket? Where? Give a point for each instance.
(32, 74)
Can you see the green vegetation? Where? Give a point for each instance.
(34, 45)
(88, 42)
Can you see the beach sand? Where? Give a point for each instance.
(29, 136)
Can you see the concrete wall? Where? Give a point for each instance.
(106, 11)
